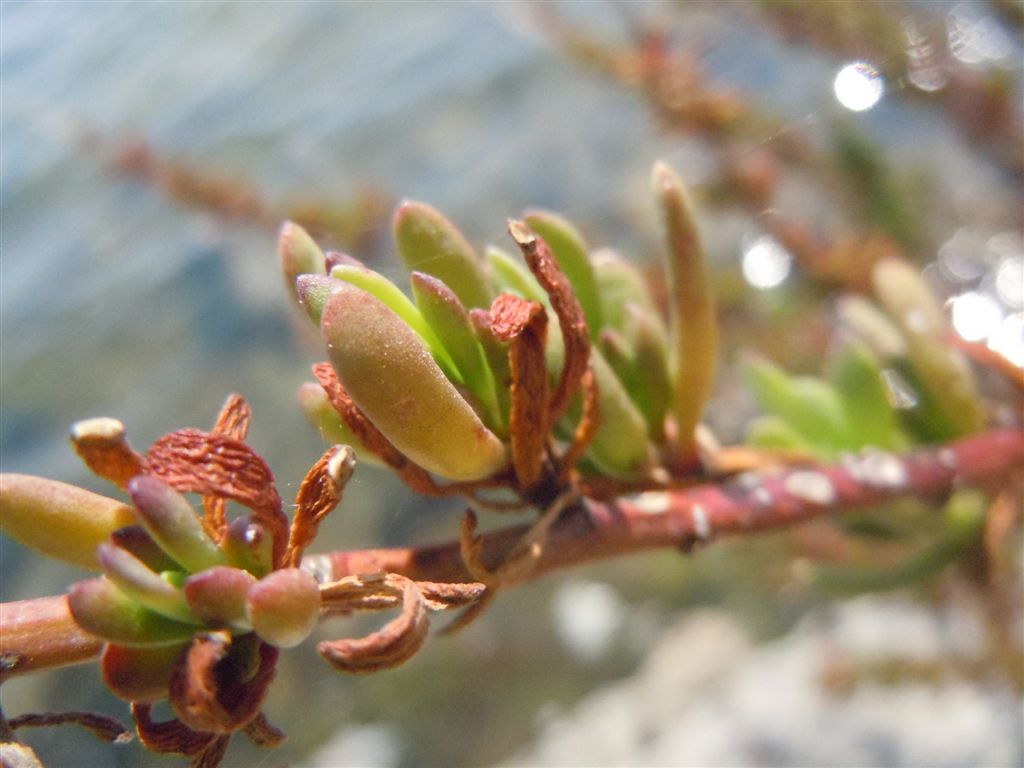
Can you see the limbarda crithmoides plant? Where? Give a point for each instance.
(554, 384)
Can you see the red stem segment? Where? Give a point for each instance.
(40, 634)
(684, 518)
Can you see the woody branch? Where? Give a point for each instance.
(594, 531)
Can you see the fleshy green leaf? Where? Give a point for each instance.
(394, 380)
(694, 331)
(313, 291)
(59, 520)
(443, 311)
(135, 580)
(173, 524)
(217, 597)
(512, 277)
(318, 411)
(377, 285)
(101, 609)
(809, 406)
(246, 545)
(857, 376)
(620, 447)
(428, 242)
(620, 283)
(299, 255)
(942, 369)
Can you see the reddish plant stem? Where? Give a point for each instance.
(686, 517)
(40, 634)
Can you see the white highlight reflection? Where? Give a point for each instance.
(976, 37)
(1010, 281)
(976, 316)
(1008, 339)
(766, 263)
(858, 86)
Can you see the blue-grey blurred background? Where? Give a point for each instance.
(118, 299)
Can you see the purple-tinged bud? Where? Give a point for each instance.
(139, 674)
(142, 585)
(173, 524)
(247, 546)
(333, 259)
(217, 597)
(284, 606)
(101, 609)
(134, 539)
(314, 291)
(299, 254)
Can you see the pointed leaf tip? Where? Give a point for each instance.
(173, 523)
(428, 242)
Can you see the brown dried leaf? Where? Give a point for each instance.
(213, 755)
(102, 727)
(232, 421)
(545, 268)
(524, 324)
(103, 446)
(319, 494)
(212, 689)
(441, 596)
(360, 593)
(171, 736)
(471, 547)
(392, 645)
(412, 474)
(190, 460)
(589, 422)
(234, 417)
(263, 733)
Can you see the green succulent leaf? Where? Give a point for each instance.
(299, 255)
(173, 524)
(430, 243)
(694, 331)
(318, 411)
(939, 367)
(443, 311)
(871, 419)
(511, 276)
(103, 610)
(147, 588)
(377, 285)
(396, 383)
(246, 545)
(59, 520)
(217, 597)
(620, 284)
(620, 447)
(774, 434)
(809, 406)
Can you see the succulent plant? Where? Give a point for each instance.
(893, 380)
(497, 372)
